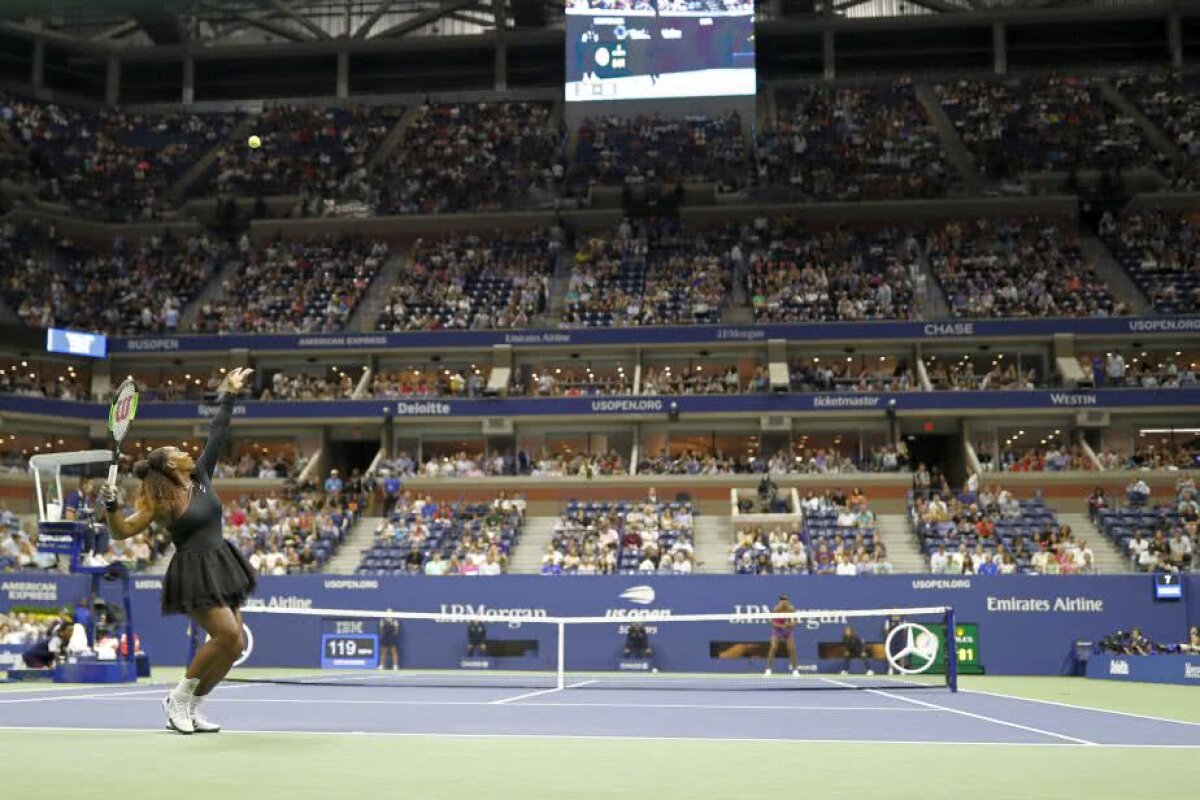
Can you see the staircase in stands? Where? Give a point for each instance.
(360, 538)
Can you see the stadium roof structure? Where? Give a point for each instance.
(215, 23)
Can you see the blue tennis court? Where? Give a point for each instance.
(932, 716)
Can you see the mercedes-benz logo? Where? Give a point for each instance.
(920, 648)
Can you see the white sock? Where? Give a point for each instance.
(183, 692)
(194, 702)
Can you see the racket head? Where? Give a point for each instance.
(123, 410)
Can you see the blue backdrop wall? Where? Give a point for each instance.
(1026, 624)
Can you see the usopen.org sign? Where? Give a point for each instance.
(628, 406)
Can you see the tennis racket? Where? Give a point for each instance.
(120, 415)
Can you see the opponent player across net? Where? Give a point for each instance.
(782, 630)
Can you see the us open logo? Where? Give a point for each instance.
(639, 595)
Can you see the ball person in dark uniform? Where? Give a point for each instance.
(637, 642)
(389, 642)
(208, 578)
(853, 648)
(476, 639)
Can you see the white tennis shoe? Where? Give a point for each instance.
(178, 718)
(201, 723)
(767, 671)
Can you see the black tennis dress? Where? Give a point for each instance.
(206, 571)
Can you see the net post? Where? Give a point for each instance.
(951, 651)
(562, 649)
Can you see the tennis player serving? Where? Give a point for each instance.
(781, 631)
(208, 577)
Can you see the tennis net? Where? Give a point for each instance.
(900, 648)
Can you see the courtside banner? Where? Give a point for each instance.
(1160, 668)
(799, 402)
(1027, 624)
(674, 335)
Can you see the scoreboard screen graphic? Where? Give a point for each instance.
(654, 49)
(966, 636)
(349, 644)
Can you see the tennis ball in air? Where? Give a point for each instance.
(254, 142)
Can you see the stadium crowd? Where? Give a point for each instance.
(992, 532)
(837, 537)
(133, 288)
(297, 286)
(650, 536)
(658, 149)
(801, 274)
(1158, 250)
(1143, 370)
(654, 273)
(116, 165)
(314, 152)
(1042, 124)
(1160, 538)
(472, 157)
(471, 281)
(1017, 268)
(846, 143)
(437, 538)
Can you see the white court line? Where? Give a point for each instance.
(983, 717)
(539, 693)
(605, 737)
(217, 699)
(100, 696)
(1082, 708)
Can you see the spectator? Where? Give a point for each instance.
(1137, 493)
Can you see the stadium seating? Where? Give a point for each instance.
(306, 150)
(1171, 100)
(295, 286)
(623, 537)
(656, 273)
(462, 531)
(472, 282)
(839, 143)
(1122, 525)
(132, 288)
(798, 273)
(473, 157)
(293, 533)
(611, 151)
(112, 164)
(1042, 124)
(1017, 268)
(1022, 535)
(1158, 250)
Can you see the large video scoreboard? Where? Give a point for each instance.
(649, 49)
